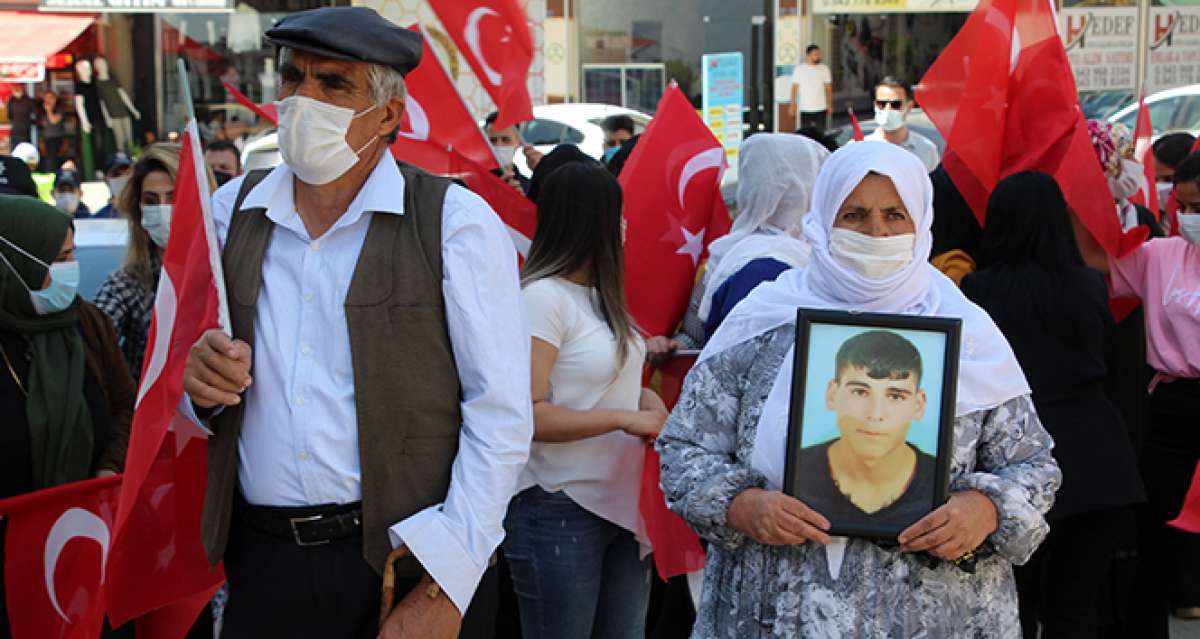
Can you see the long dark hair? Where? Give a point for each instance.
(1028, 222)
(579, 226)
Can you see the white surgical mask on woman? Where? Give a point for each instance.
(1189, 227)
(874, 258)
(64, 283)
(312, 138)
(156, 219)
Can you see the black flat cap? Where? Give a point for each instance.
(358, 34)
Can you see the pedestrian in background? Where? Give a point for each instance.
(812, 91)
(52, 129)
(127, 294)
(1053, 310)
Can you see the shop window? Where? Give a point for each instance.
(219, 48)
(633, 86)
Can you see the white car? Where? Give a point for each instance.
(1171, 110)
(577, 124)
(100, 249)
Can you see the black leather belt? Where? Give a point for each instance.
(305, 526)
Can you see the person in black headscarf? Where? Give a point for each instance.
(66, 396)
(956, 230)
(562, 154)
(1054, 312)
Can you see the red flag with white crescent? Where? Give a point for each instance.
(517, 212)
(674, 210)
(1147, 196)
(158, 560)
(494, 37)
(1003, 114)
(437, 125)
(57, 558)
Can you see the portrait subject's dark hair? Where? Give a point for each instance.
(883, 354)
(579, 226)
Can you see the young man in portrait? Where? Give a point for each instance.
(871, 473)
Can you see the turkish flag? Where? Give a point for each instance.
(1001, 114)
(673, 208)
(267, 112)
(1143, 151)
(1189, 517)
(158, 562)
(56, 558)
(437, 124)
(858, 132)
(493, 36)
(515, 210)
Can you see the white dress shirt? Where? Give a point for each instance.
(299, 439)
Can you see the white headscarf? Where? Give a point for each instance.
(988, 374)
(776, 175)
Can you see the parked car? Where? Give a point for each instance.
(1171, 110)
(917, 121)
(1098, 105)
(578, 124)
(100, 249)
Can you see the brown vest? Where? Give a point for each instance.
(406, 385)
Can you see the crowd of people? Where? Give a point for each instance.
(396, 392)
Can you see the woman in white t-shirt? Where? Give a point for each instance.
(576, 543)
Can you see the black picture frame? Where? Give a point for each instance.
(804, 486)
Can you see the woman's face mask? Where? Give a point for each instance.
(156, 219)
(875, 258)
(63, 288)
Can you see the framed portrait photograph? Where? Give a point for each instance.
(871, 425)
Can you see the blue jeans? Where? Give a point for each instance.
(576, 575)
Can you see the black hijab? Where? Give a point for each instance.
(954, 224)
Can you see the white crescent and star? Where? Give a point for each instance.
(75, 523)
(713, 158)
(471, 35)
(693, 244)
(418, 120)
(164, 324)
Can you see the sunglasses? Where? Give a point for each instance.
(895, 104)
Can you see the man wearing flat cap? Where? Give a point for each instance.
(374, 394)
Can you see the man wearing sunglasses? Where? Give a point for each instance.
(893, 102)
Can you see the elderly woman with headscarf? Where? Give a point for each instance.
(1125, 176)
(776, 176)
(66, 397)
(772, 568)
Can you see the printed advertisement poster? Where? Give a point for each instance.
(1101, 45)
(1174, 48)
(721, 105)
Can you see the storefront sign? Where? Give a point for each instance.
(893, 6)
(138, 6)
(22, 70)
(1101, 44)
(721, 105)
(1174, 48)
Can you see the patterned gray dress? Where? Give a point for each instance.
(751, 590)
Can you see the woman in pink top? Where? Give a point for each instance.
(1164, 274)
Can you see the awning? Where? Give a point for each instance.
(29, 38)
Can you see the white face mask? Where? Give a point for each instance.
(1189, 227)
(875, 258)
(117, 184)
(312, 139)
(506, 154)
(156, 219)
(889, 119)
(67, 202)
(64, 283)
